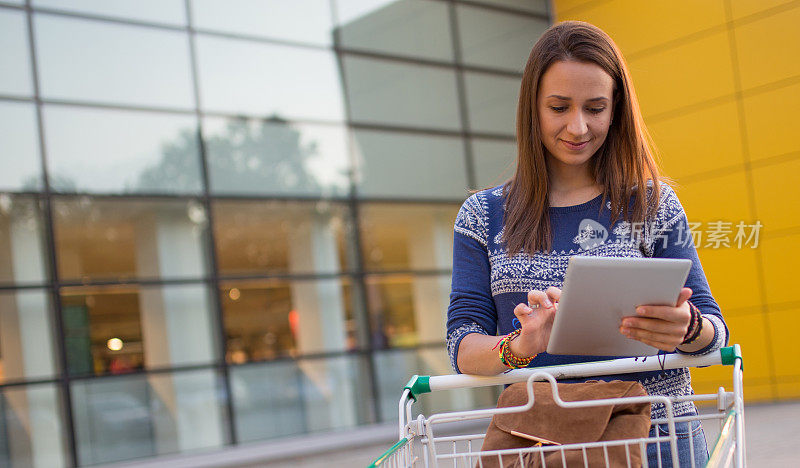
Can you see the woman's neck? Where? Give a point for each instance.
(572, 186)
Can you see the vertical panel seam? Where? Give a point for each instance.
(750, 188)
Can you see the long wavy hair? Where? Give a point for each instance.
(624, 162)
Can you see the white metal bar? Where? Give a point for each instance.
(542, 375)
(409, 403)
(402, 418)
(643, 451)
(575, 446)
(738, 402)
(589, 369)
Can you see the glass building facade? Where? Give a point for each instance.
(228, 222)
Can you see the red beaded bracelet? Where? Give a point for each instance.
(508, 358)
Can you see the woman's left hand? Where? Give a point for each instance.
(662, 327)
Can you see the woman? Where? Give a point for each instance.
(583, 155)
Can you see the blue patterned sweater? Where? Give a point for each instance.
(487, 283)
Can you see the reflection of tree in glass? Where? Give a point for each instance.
(245, 156)
(178, 169)
(59, 183)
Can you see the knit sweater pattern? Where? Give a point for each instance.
(488, 283)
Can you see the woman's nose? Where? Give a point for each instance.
(577, 124)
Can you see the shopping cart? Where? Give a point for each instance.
(419, 446)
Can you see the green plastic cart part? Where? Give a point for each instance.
(419, 384)
(730, 354)
(394, 448)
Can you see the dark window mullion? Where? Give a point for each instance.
(53, 275)
(211, 251)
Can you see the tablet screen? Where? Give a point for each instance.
(599, 291)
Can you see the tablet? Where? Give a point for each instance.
(599, 291)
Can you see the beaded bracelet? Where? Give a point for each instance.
(695, 325)
(508, 358)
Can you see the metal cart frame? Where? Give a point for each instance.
(419, 446)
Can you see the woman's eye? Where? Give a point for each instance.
(596, 110)
(558, 108)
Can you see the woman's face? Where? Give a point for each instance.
(575, 108)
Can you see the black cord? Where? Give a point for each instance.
(662, 359)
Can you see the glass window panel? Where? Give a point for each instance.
(277, 81)
(20, 162)
(298, 397)
(160, 11)
(402, 165)
(127, 152)
(393, 93)
(106, 239)
(22, 253)
(267, 319)
(492, 103)
(114, 330)
(495, 161)
(15, 61)
(497, 40)
(128, 417)
(394, 367)
(26, 340)
(406, 27)
(276, 157)
(102, 62)
(298, 20)
(31, 427)
(533, 6)
(272, 237)
(407, 310)
(407, 237)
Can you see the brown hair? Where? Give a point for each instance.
(624, 162)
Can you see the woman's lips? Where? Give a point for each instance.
(575, 146)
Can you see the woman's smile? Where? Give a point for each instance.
(575, 146)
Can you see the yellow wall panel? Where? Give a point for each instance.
(636, 25)
(755, 392)
(780, 258)
(776, 194)
(684, 75)
(784, 326)
(748, 331)
(566, 6)
(772, 121)
(741, 8)
(709, 379)
(715, 199)
(761, 63)
(788, 390)
(699, 141)
(731, 274)
(694, 140)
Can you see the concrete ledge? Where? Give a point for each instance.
(273, 450)
(294, 447)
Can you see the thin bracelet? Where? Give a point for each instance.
(507, 357)
(692, 322)
(696, 325)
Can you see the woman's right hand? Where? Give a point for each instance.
(536, 322)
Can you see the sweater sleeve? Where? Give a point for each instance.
(472, 308)
(670, 236)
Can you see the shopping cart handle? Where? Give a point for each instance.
(418, 384)
(730, 354)
(727, 356)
